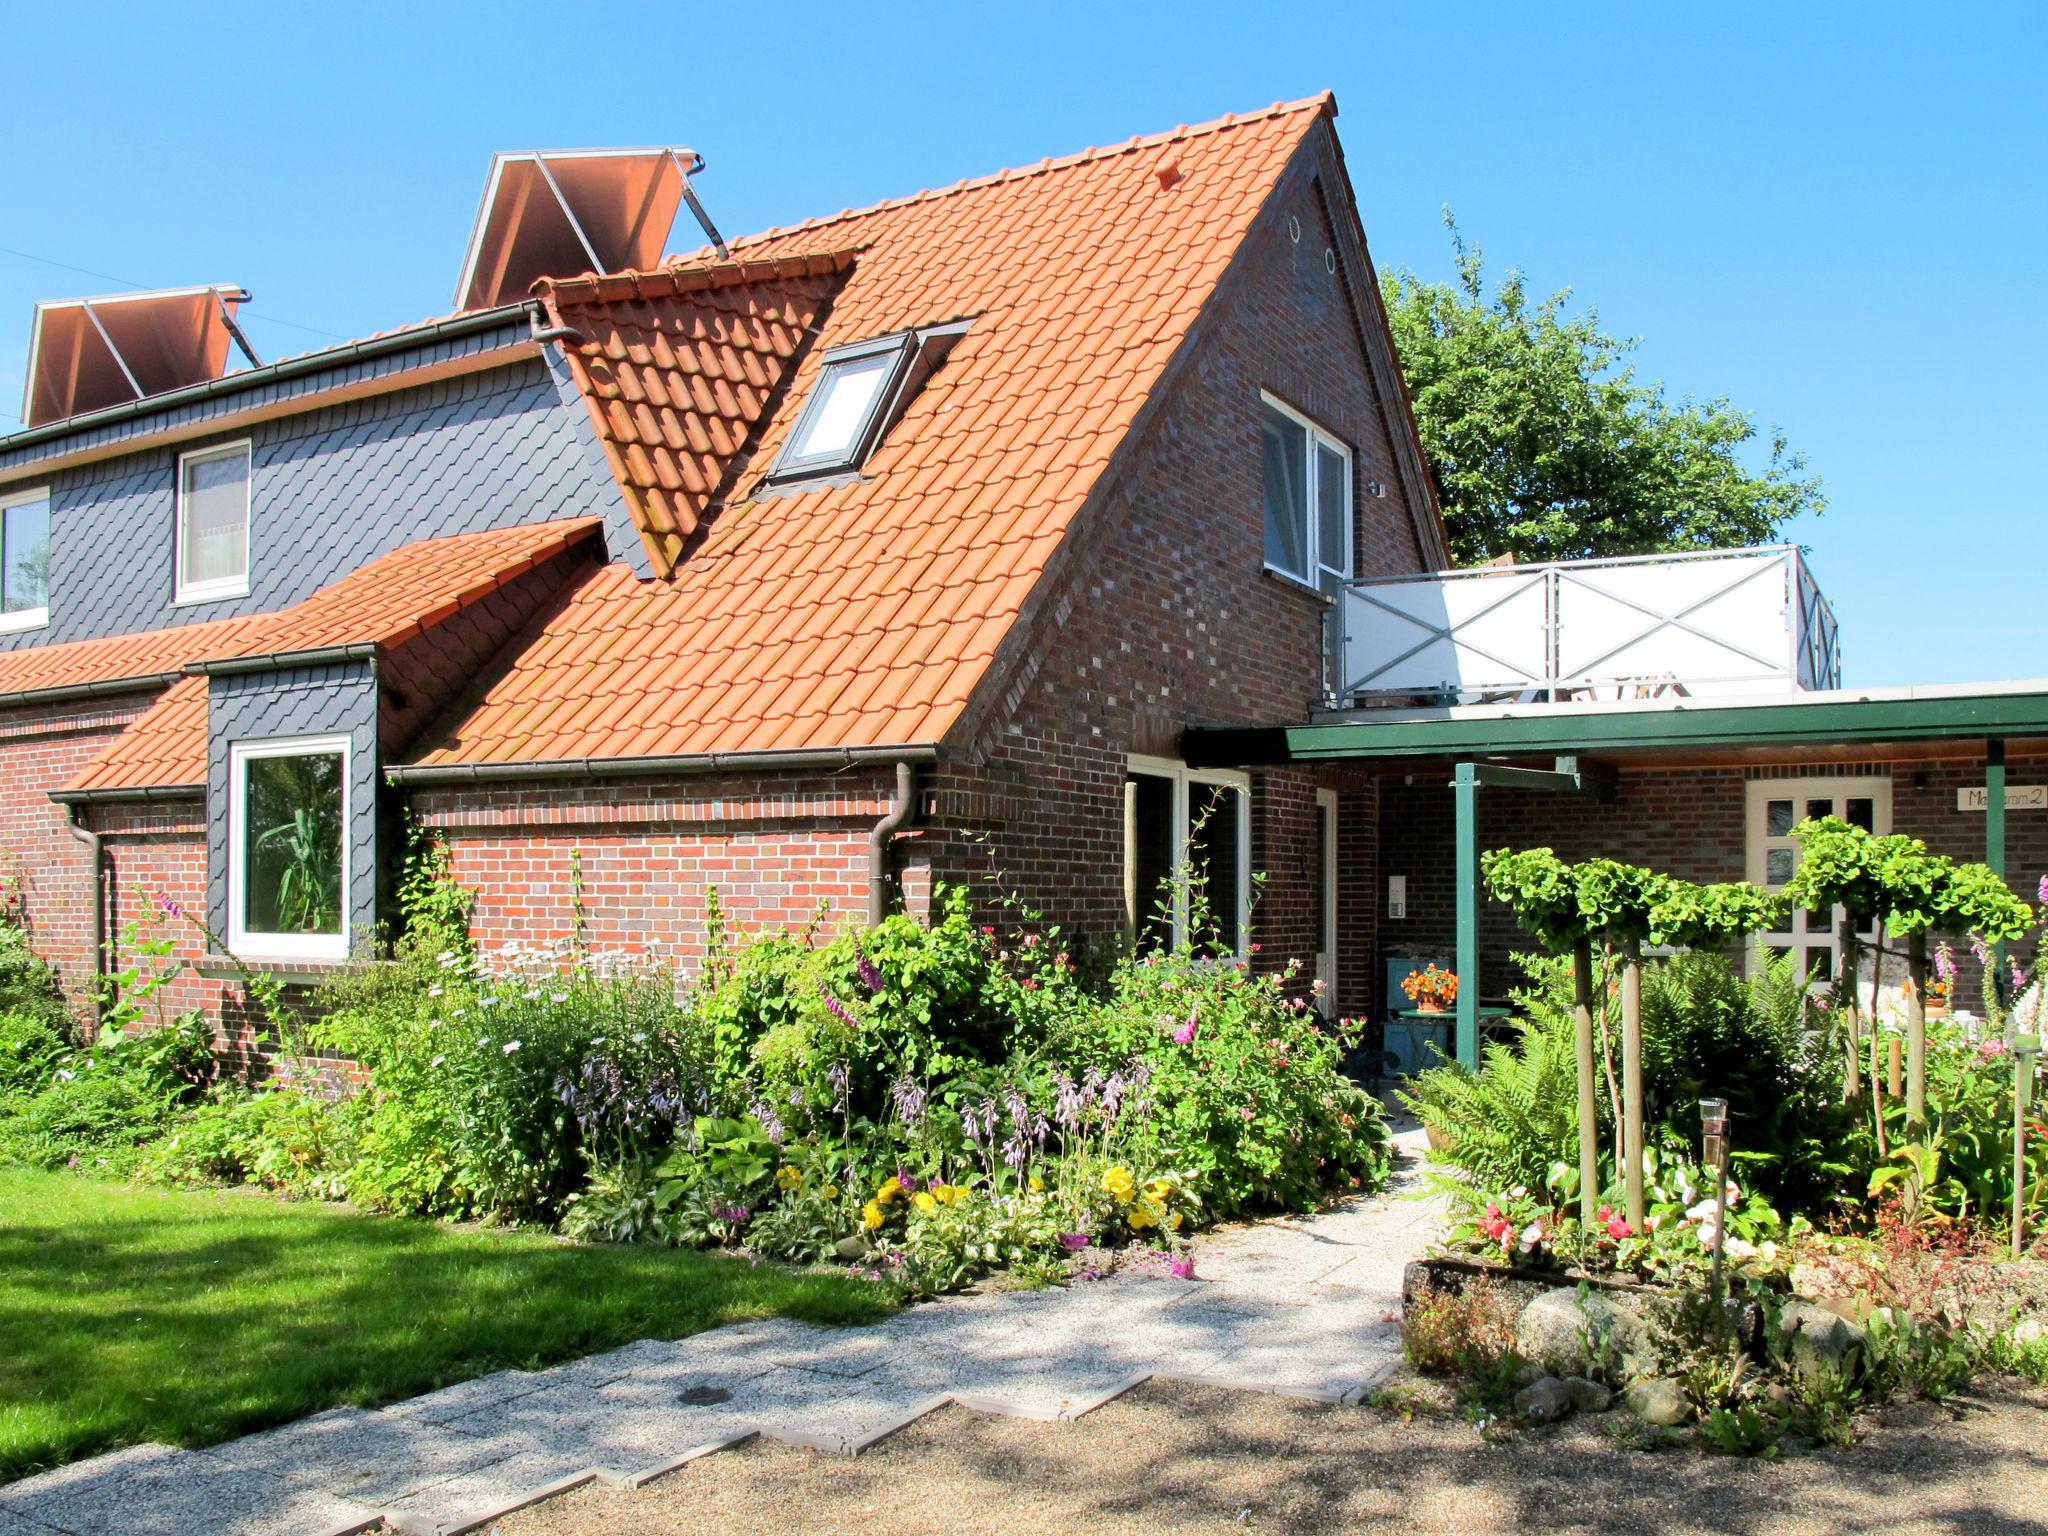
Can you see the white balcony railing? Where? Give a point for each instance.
(1738, 621)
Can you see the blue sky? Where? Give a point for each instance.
(1833, 214)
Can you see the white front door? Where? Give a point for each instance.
(1775, 807)
(1326, 900)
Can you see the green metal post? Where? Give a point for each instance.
(1994, 844)
(1465, 789)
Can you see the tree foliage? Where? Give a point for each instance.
(1603, 899)
(1896, 879)
(1547, 446)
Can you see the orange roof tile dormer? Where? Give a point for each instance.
(681, 368)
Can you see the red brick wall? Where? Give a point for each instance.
(42, 747)
(1162, 616)
(645, 853)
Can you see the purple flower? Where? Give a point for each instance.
(1182, 1268)
(1073, 1242)
(1981, 950)
(869, 976)
(837, 1009)
(1945, 963)
(910, 1182)
(738, 1215)
(770, 1121)
(1185, 1035)
(170, 908)
(909, 1099)
(839, 1080)
(2019, 977)
(2042, 892)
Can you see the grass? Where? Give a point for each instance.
(131, 1315)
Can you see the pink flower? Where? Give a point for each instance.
(1617, 1229)
(1073, 1242)
(2019, 977)
(1981, 950)
(2043, 891)
(1185, 1035)
(1945, 963)
(1182, 1268)
(1991, 1050)
(1246, 1112)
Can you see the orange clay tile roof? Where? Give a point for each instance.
(865, 613)
(387, 602)
(678, 368)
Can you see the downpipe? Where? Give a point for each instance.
(894, 821)
(96, 921)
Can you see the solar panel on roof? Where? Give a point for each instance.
(87, 354)
(564, 212)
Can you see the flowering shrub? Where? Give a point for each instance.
(492, 1089)
(1239, 1084)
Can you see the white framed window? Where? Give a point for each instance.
(24, 559)
(1773, 807)
(213, 524)
(1307, 476)
(288, 848)
(1196, 820)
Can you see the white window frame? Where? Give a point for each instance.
(182, 591)
(1318, 566)
(1757, 843)
(23, 618)
(1184, 780)
(283, 946)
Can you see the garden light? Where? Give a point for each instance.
(1714, 1153)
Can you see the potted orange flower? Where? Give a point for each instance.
(1431, 990)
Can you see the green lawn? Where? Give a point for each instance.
(133, 1314)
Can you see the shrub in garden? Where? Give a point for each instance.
(492, 1090)
(27, 984)
(32, 1048)
(98, 1105)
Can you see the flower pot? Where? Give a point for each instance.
(1422, 1007)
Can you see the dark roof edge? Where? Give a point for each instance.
(115, 796)
(280, 661)
(438, 775)
(113, 687)
(284, 368)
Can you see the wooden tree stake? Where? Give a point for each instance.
(1589, 1111)
(1916, 1028)
(1632, 1077)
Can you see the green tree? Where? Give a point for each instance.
(1545, 444)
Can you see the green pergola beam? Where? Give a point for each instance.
(1555, 729)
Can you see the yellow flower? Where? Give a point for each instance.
(831, 1191)
(1159, 1188)
(789, 1176)
(1118, 1182)
(1037, 1185)
(871, 1213)
(891, 1188)
(1139, 1218)
(948, 1193)
(1173, 1221)
(924, 1202)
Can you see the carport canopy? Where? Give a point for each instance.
(1577, 746)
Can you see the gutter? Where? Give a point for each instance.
(289, 368)
(424, 775)
(77, 797)
(112, 688)
(878, 842)
(96, 922)
(314, 656)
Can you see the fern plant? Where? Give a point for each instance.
(1509, 1122)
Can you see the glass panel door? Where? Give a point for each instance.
(1775, 807)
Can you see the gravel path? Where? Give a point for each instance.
(1178, 1458)
(1307, 1306)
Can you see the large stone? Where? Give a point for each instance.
(1660, 1401)
(1814, 1341)
(2028, 1331)
(1588, 1396)
(1544, 1401)
(1574, 1333)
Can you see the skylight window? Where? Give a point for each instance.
(861, 390)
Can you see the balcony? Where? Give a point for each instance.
(1721, 622)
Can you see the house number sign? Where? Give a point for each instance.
(2018, 797)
